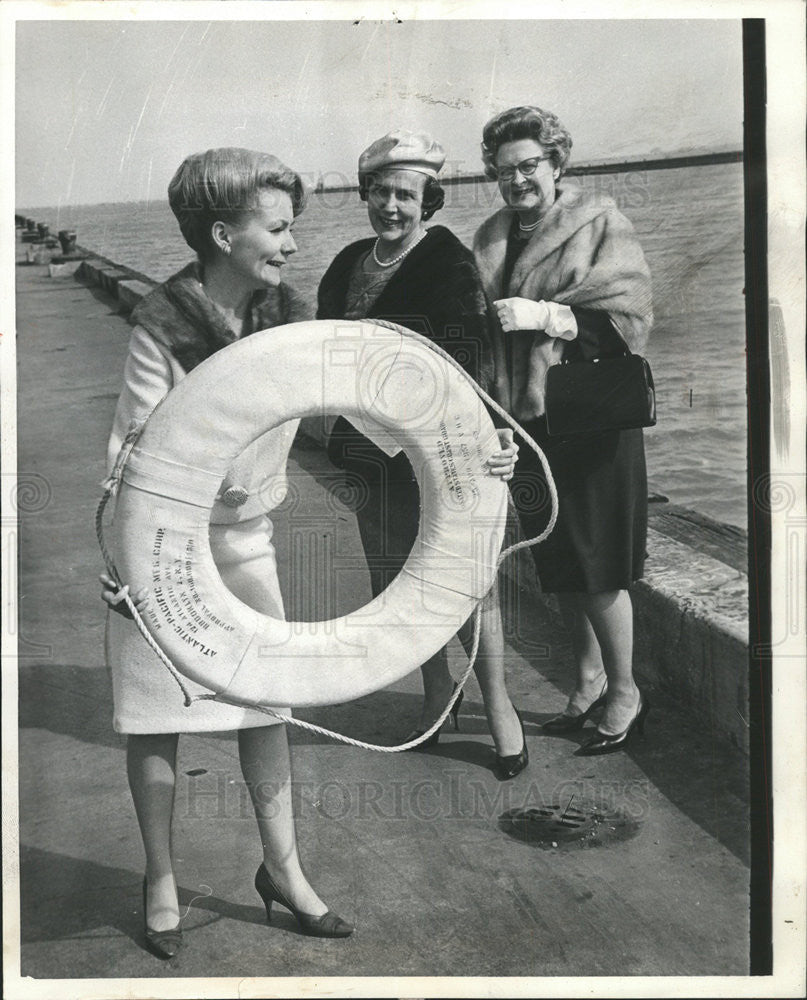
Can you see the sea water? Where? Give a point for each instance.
(690, 224)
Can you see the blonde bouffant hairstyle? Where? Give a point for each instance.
(222, 185)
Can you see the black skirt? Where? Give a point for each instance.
(386, 501)
(598, 543)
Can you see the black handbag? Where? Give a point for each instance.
(604, 394)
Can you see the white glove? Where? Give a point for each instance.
(554, 319)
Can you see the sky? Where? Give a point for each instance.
(106, 110)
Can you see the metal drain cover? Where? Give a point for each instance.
(557, 824)
(553, 823)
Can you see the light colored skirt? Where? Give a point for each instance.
(147, 699)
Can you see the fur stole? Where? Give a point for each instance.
(584, 253)
(179, 315)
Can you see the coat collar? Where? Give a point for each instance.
(423, 259)
(572, 209)
(180, 315)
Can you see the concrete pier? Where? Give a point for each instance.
(411, 847)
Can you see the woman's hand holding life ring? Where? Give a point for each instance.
(503, 463)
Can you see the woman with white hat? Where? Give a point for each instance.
(425, 280)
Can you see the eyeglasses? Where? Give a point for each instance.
(526, 168)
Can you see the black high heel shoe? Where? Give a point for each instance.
(508, 767)
(163, 944)
(434, 739)
(564, 723)
(328, 925)
(603, 743)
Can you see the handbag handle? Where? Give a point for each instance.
(624, 353)
(627, 353)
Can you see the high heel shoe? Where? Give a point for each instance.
(434, 739)
(564, 723)
(163, 944)
(604, 743)
(328, 925)
(508, 767)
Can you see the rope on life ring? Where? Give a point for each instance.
(165, 494)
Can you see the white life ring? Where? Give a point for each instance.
(179, 461)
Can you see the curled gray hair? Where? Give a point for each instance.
(526, 122)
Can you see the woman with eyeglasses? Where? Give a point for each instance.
(569, 281)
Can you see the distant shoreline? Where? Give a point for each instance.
(659, 163)
(595, 167)
(578, 170)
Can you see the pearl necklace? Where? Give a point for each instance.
(400, 257)
(528, 229)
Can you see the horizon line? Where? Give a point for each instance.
(662, 161)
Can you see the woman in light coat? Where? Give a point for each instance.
(236, 209)
(569, 282)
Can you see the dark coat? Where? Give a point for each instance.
(436, 291)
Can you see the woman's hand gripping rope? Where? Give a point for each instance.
(115, 597)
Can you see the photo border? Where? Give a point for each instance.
(775, 209)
